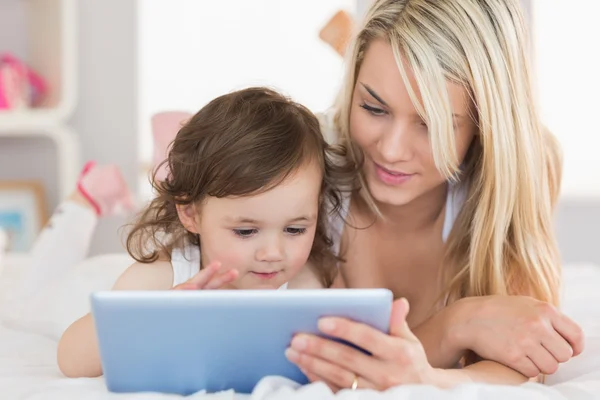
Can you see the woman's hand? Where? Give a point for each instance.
(208, 278)
(525, 334)
(397, 358)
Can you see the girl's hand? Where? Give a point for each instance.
(208, 278)
(527, 335)
(397, 358)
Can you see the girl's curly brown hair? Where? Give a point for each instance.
(240, 144)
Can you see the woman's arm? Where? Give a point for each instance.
(440, 339)
(78, 354)
(396, 358)
(525, 334)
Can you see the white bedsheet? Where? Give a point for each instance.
(28, 359)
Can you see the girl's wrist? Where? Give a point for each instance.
(448, 378)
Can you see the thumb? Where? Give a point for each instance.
(398, 325)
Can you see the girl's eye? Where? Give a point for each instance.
(245, 233)
(295, 231)
(373, 110)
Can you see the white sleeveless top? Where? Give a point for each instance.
(186, 263)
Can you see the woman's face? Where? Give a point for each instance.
(399, 165)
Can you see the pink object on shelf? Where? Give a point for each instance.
(165, 126)
(20, 86)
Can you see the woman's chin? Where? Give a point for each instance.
(385, 195)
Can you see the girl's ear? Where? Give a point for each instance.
(188, 216)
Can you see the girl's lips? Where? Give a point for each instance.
(265, 275)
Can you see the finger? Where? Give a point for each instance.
(361, 335)
(186, 286)
(315, 378)
(560, 349)
(398, 325)
(218, 281)
(205, 274)
(333, 373)
(526, 367)
(569, 330)
(337, 353)
(543, 360)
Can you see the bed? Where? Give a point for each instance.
(29, 333)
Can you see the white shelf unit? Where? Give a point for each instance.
(43, 33)
(67, 150)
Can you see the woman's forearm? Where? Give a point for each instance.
(439, 337)
(483, 372)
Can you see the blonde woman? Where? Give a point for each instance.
(454, 213)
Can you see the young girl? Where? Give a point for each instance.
(242, 207)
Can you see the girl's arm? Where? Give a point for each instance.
(482, 371)
(78, 354)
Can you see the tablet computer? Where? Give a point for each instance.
(186, 341)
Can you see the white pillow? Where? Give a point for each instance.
(63, 300)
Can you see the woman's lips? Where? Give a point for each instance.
(391, 177)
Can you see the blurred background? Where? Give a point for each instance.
(99, 69)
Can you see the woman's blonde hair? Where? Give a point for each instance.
(502, 241)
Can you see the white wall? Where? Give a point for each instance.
(567, 72)
(567, 62)
(192, 51)
(106, 117)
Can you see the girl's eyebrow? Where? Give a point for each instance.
(373, 93)
(245, 220)
(305, 218)
(242, 220)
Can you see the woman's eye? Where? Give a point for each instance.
(245, 232)
(295, 231)
(373, 110)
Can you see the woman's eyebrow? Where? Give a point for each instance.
(379, 99)
(374, 94)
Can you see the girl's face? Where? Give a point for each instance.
(399, 164)
(266, 237)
